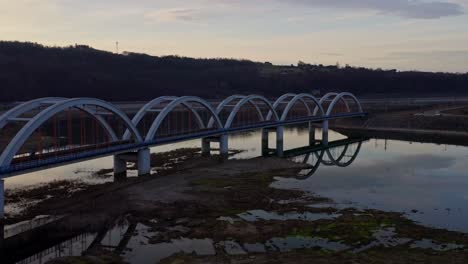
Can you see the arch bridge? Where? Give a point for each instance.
(54, 131)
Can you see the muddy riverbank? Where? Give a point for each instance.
(218, 211)
(438, 124)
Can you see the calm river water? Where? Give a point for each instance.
(427, 182)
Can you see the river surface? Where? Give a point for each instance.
(427, 182)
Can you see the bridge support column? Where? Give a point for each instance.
(325, 133)
(205, 147)
(224, 145)
(280, 141)
(311, 134)
(120, 167)
(265, 141)
(144, 162)
(223, 142)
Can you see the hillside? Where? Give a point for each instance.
(29, 70)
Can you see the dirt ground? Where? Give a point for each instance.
(440, 124)
(189, 204)
(189, 199)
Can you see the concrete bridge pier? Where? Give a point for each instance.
(144, 161)
(280, 141)
(205, 147)
(279, 150)
(223, 142)
(120, 168)
(325, 133)
(224, 145)
(265, 141)
(311, 134)
(142, 158)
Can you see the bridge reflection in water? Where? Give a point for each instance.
(42, 239)
(340, 153)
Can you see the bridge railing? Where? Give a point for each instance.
(240, 113)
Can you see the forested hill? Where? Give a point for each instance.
(29, 70)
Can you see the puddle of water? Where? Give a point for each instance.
(295, 242)
(429, 244)
(145, 253)
(385, 237)
(255, 247)
(228, 219)
(72, 247)
(257, 215)
(139, 250)
(232, 248)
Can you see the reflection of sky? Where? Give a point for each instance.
(425, 177)
(399, 176)
(82, 170)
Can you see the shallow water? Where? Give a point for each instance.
(427, 182)
(256, 215)
(250, 142)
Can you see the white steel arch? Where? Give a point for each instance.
(25, 107)
(328, 96)
(300, 97)
(25, 132)
(283, 98)
(247, 99)
(341, 97)
(279, 101)
(147, 107)
(179, 101)
(228, 100)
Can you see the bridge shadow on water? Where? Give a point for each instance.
(48, 237)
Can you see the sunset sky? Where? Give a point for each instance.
(403, 34)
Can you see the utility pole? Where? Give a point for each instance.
(117, 47)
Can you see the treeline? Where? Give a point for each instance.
(29, 70)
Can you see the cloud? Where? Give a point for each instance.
(401, 8)
(333, 54)
(174, 15)
(428, 55)
(421, 9)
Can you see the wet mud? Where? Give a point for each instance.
(217, 211)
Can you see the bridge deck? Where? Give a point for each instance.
(30, 166)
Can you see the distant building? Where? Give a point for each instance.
(315, 92)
